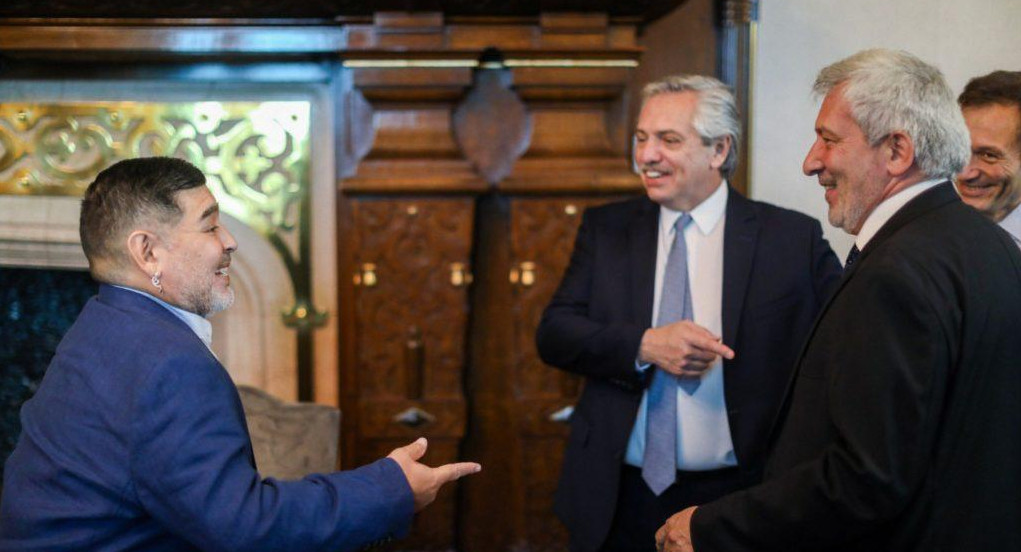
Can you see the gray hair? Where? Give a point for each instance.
(715, 115)
(892, 91)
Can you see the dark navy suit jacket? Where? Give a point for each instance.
(899, 431)
(777, 271)
(136, 440)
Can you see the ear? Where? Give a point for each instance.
(900, 153)
(141, 251)
(721, 148)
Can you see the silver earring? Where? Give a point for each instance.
(156, 281)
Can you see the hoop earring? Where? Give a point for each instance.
(156, 282)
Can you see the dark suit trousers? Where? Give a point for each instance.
(640, 513)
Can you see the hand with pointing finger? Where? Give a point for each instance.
(425, 482)
(682, 348)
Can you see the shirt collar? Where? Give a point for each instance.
(202, 327)
(889, 207)
(1012, 223)
(705, 215)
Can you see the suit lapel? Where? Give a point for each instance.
(643, 240)
(740, 236)
(939, 195)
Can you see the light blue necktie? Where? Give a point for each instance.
(659, 465)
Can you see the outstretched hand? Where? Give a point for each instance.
(425, 482)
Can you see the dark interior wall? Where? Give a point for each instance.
(37, 307)
(683, 41)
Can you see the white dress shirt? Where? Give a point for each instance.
(703, 440)
(1012, 224)
(889, 207)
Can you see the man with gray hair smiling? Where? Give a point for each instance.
(684, 310)
(899, 427)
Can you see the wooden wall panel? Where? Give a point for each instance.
(409, 260)
(519, 407)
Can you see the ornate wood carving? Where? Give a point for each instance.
(492, 125)
(410, 318)
(412, 243)
(361, 132)
(518, 418)
(542, 232)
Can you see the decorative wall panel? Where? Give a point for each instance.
(411, 275)
(255, 156)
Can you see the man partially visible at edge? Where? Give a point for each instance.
(991, 182)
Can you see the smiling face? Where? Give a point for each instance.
(677, 169)
(985, 183)
(194, 256)
(851, 171)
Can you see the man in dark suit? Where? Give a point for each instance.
(735, 285)
(136, 439)
(899, 431)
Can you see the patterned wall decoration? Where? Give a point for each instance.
(255, 156)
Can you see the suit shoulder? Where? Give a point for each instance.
(128, 343)
(772, 210)
(951, 224)
(774, 214)
(619, 212)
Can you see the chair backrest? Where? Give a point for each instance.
(290, 439)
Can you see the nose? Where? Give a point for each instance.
(812, 164)
(646, 152)
(970, 171)
(227, 239)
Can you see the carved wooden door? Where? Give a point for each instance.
(520, 406)
(409, 259)
(542, 238)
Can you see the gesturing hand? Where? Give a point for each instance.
(425, 482)
(682, 348)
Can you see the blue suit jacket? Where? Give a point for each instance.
(136, 440)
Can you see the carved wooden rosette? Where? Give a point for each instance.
(492, 125)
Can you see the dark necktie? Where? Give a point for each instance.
(852, 256)
(659, 463)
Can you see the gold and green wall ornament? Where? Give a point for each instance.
(255, 156)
